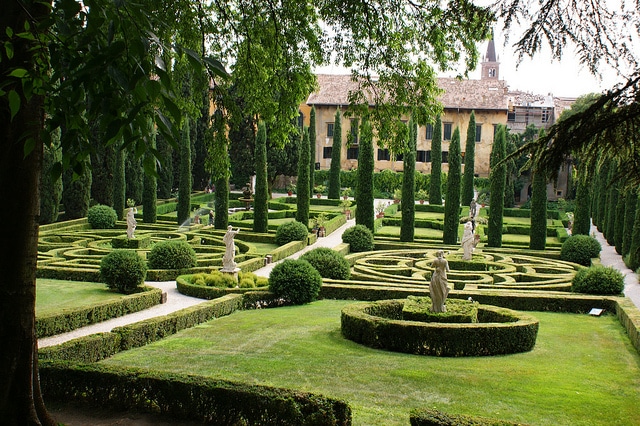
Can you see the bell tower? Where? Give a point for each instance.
(490, 65)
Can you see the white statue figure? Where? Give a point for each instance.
(468, 241)
(228, 262)
(131, 222)
(438, 288)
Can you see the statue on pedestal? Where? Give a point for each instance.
(468, 241)
(438, 287)
(228, 260)
(131, 222)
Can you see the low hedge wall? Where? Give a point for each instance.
(69, 320)
(208, 292)
(202, 399)
(431, 417)
(287, 250)
(498, 331)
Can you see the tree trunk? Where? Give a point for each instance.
(20, 399)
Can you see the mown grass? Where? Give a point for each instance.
(583, 370)
(55, 295)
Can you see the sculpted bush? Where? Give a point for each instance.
(102, 217)
(598, 280)
(580, 249)
(359, 238)
(295, 281)
(329, 263)
(123, 270)
(172, 255)
(291, 231)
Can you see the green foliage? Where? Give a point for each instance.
(634, 248)
(364, 188)
(435, 190)
(498, 179)
(613, 193)
(101, 217)
(170, 254)
(291, 231)
(452, 200)
(619, 222)
(631, 199)
(76, 192)
(329, 263)
(312, 148)
(336, 158)
(149, 183)
(123, 270)
(184, 186)
(582, 213)
(580, 249)
(538, 230)
(50, 188)
(296, 281)
(261, 196)
(598, 280)
(119, 185)
(302, 185)
(359, 238)
(409, 185)
(469, 162)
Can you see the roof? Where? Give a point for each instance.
(333, 89)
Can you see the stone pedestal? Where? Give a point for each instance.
(233, 272)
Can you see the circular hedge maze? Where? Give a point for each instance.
(489, 269)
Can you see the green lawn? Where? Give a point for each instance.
(583, 370)
(52, 296)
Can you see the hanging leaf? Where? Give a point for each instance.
(14, 103)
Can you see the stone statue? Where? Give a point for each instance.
(438, 288)
(468, 241)
(228, 262)
(473, 208)
(131, 222)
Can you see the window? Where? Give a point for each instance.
(445, 157)
(326, 152)
(329, 130)
(447, 131)
(400, 157)
(545, 115)
(383, 155)
(511, 116)
(492, 72)
(429, 134)
(478, 132)
(352, 153)
(423, 156)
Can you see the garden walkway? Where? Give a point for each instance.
(177, 301)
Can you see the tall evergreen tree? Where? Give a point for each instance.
(408, 205)
(150, 185)
(336, 158)
(218, 166)
(102, 169)
(629, 217)
(497, 184)
(618, 228)
(612, 202)
(184, 186)
(364, 190)
(602, 191)
(133, 175)
(76, 192)
(452, 200)
(582, 212)
(469, 162)
(538, 228)
(261, 196)
(50, 189)
(435, 189)
(303, 192)
(634, 249)
(119, 184)
(165, 171)
(312, 148)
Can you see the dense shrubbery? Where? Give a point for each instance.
(102, 217)
(580, 249)
(359, 238)
(598, 280)
(329, 263)
(172, 255)
(296, 281)
(291, 231)
(221, 280)
(123, 270)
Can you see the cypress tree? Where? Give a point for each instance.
(618, 228)
(408, 205)
(165, 173)
(184, 188)
(218, 166)
(497, 184)
(582, 212)
(364, 188)
(603, 175)
(103, 159)
(312, 148)
(303, 191)
(452, 200)
(629, 217)
(119, 185)
(336, 158)
(612, 202)
(76, 192)
(149, 183)
(435, 188)
(634, 249)
(261, 197)
(50, 190)
(469, 162)
(538, 228)
(133, 174)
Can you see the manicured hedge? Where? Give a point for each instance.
(432, 417)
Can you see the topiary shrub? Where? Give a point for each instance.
(359, 238)
(329, 263)
(123, 270)
(291, 231)
(295, 281)
(172, 255)
(598, 280)
(580, 249)
(102, 217)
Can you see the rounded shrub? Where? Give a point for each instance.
(598, 280)
(329, 263)
(359, 238)
(123, 270)
(172, 255)
(580, 249)
(102, 217)
(296, 281)
(291, 231)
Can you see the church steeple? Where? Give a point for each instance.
(490, 64)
